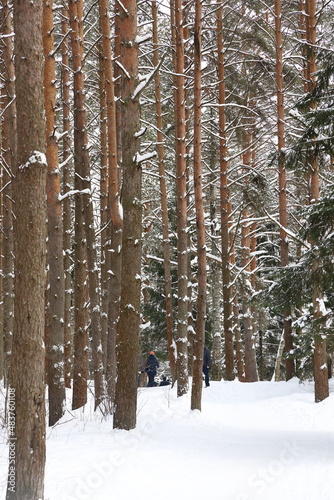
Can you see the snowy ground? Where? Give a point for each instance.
(257, 441)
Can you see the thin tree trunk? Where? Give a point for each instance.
(197, 382)
(284, 246)
(251, 374)
(217, 353)
(190, 209)
(239, 345)
(116, 218)
(114, 204)
(67, 186)
(277, 370)
(115, 234)
(93, 278)
(8, 156)
(114, 311)
(27, 389)
(224, 198)
(164, 208)
(129, 323)
(80, 362)
(321, 388)
(55, 344)
(104, 212)
(181, 203)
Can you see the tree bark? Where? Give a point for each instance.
(197, 382)
(164, 207)
(239, 344)
(29, 193)
(80, 362)
(215, 271)
(321, 387)
(224, 199)
(88, 211)
(114, 312)
(251, 374)
(115, 234)
(114, 203)
(181, 203)
(129, 323)
(8, 155)
(67, 216)
(284, 246)
(55, 337)
(104, 210)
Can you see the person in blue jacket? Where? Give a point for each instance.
(206, 365)
(151, 368)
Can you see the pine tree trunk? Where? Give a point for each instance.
(164, 208)
(321, 387)
(27, 389)
(129, 323)
(115, 235)
(104, 212)
(224, 199)
(80, 362)
(181, 204)
(188, 57)
(8, 154)
(197, 382)
(239, 344)
(88, 213)
(111, 115)
(55, 344)
(67, 186)
(284, 247)
(251, 374)
(217, 353)
(114, 311)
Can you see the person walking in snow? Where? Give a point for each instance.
(206, 365)
(151, 368)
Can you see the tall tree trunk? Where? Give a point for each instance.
(164, 208)
(217, 353)
(239, 345)
(224, 198)
(321, 389)
(129, 323)
(116, 216)
(113, 182)
(80, 362)
(284, 246)
(197, 382)
(115, 234)
(8, 156)
(190, 208)
(88, 211)
(114, 312)
(27, 389)
(181, 203)
(67, 186)
(104, 211)
(55, 344)
(251, 374)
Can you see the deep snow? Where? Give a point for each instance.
(265, 440)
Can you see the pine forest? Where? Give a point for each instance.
(167, 183)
